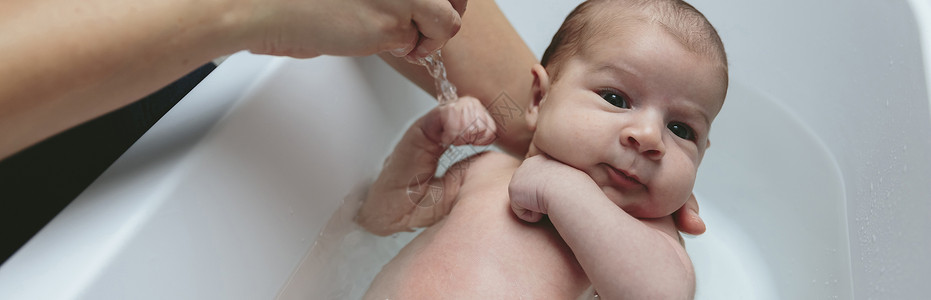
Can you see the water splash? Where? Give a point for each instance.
(445, 90)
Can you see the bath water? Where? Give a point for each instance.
(345, 258)
(445, 91)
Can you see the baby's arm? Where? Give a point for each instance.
(406, 195)
(625, 258)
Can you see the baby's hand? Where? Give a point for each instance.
(461, 122)
(535, 181)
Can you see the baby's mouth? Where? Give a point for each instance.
(623, 179)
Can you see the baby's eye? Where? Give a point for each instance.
(681, 130)
(615, 98)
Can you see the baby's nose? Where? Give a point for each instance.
(646, 139)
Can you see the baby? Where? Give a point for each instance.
(622, 108)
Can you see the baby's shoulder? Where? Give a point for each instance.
(485, 165)
(493, 160)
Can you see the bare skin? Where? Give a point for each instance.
(65, 62)
(96, 56)
(488, 59)
(617, 142)
(481, 250)
(475, 246)
(474, 242)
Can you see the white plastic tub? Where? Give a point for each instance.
(817, 186)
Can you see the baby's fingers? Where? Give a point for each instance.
(479, 132)
(525, 214)
(475, 125)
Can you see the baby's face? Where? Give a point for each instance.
(633, 111)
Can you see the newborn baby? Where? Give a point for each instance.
(623, 105)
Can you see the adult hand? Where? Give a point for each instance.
(687, 218)
(352, 27)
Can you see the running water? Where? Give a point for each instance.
(445, 91)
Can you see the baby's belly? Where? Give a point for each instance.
(482, 251)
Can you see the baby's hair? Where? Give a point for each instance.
(676, 17)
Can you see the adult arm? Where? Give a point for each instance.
(64, 62)
(487, 59)
(490, 61)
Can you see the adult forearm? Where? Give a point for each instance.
(487, 59)
(65, 62)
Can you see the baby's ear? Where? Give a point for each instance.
(541, 86)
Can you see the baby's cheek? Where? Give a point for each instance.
(679, 187)
(555, 142)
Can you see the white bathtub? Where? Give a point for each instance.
(817, 186)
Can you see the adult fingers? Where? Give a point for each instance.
(412, 37)
(459, 6)
(437, 21)
(687, 218)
